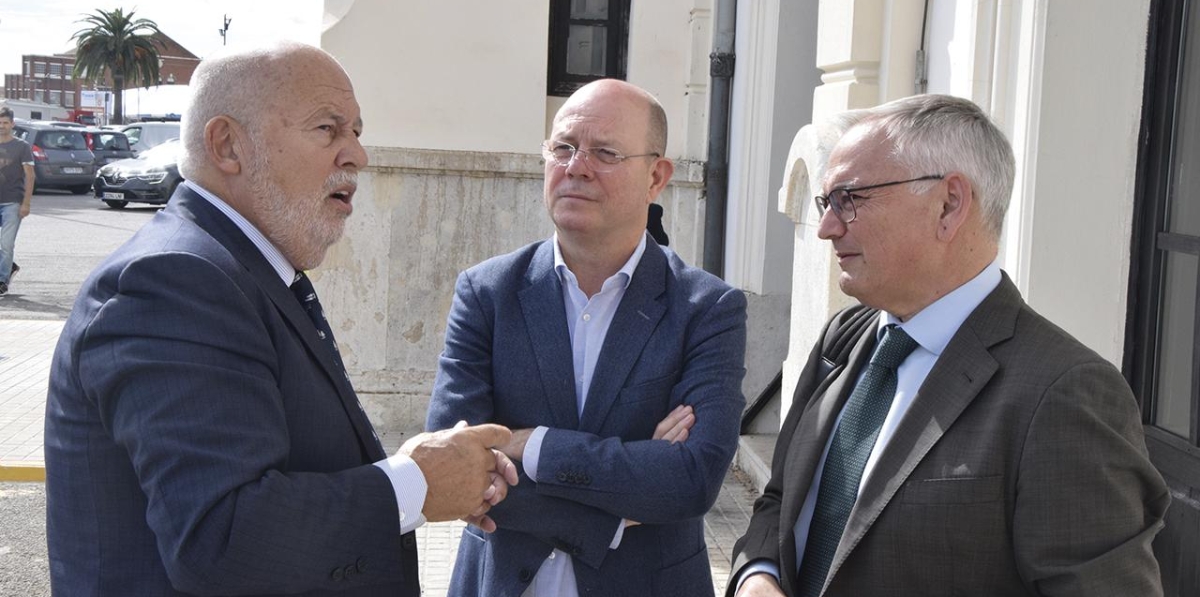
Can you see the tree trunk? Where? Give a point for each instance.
(119, 100)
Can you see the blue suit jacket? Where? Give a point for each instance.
(200, 440)
(677, 337)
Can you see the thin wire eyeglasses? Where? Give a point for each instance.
(606, 158)
(842, 200)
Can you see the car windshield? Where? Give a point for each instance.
(166, 152)
(110, 142)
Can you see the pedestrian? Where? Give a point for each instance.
(202, 435)
(618, 367)
(961, 444)
(16, 193)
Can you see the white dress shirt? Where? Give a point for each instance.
(408, 482)
(932, 328)
(587, 322)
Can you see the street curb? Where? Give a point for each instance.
(31, 472)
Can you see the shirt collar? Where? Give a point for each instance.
(278, 262)
(626, 272)
(934, 326)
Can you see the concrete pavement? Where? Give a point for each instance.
(26, 347)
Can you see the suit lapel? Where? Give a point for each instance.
(960, 374)
(197, 209)
(637, 316)
(808, 444)
(546, 320)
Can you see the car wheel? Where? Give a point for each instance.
(79, 190)
(116, 204)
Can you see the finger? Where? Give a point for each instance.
(670, 421)
(679, 432)
(460, 425)
(490, 434)
(499, 490)
(483, 522)
(506, 468)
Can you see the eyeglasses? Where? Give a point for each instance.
(605, 158)
(842, 200)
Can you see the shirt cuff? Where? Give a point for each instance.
(757, 567)
(533, 449)
(408, 483)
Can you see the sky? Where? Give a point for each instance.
(46, 26)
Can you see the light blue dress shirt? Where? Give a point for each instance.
(408, 482)
(587, 323)
(932, 328)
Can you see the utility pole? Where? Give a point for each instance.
(224, 30)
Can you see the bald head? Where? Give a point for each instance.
(640, 101)
(245, 86)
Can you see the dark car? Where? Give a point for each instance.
(107, 146)
(149, 178)
(61, 158)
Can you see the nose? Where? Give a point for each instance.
(830, 226)
(353, 156)
(579, 165)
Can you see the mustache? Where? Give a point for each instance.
(340, 178)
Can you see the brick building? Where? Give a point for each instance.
(49, 79)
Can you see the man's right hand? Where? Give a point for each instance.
(760, 585)
(458, 465)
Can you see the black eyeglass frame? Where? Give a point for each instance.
(611, 159)
(839, 206)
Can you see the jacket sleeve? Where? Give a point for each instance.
(184, 376)
(464, 391)
(1086, 441)
(654, 481)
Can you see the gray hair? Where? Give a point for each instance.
(940, 134)
(239, 86)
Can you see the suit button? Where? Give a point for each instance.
(587, 479)
(349, 571)
(525, 575)
(409, 541)
(361, 565)
(336, 574)
(562, 477)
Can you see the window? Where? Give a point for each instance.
(589, 40)
(56, 97)
(1162, 354)
(55, 70)
(39, 69)
(69, 100)
(39, 95)
(26, 68)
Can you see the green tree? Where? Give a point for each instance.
(117, 44)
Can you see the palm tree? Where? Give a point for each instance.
(116, 43)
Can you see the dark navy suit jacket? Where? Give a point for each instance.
(677, 337)
(200, 440)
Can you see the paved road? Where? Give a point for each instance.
(62, 240)
(24, 569)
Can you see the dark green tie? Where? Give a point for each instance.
(862, 417)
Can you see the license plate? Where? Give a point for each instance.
(114, 195)
(72, 170)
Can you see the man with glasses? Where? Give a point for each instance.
(617, 366)
(965, 445)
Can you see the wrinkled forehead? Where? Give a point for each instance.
(862, 155)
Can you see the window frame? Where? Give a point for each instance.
(561, 83)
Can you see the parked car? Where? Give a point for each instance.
(145, 135)
(107, 146)
(61, 158)
(149, 178)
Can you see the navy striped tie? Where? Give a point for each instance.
(852, 443)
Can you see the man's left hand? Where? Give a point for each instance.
(23, 211)
(515, 448)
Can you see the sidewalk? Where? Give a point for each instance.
(26, 347)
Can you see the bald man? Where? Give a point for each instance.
(618, 366)
(202, 435)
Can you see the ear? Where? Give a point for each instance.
(957, 206)
(223, 143)
(660, 175)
